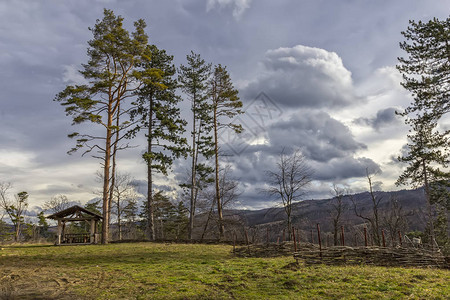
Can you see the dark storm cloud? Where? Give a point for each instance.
(327, 144)
(320, 137)
(303, 76)
(343, 168)
(403, 152)
(384, 117)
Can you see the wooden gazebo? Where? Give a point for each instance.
(75, 214)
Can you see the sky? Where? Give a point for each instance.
(315, 75)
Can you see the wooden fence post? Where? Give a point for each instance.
(293, 236)
(267, 235)
(365, 236)
(234, 242)
(400, 238)
(298, 238)
(246, 239)
(319, 239)
(342, 236)
(384, 240)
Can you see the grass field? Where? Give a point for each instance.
(179, 271)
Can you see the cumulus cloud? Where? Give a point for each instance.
(304, 76)
(239, 6)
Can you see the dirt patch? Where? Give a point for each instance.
(32, 284)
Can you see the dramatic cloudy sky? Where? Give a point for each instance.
(313, 74)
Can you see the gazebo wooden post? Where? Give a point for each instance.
(63, 230)
(59, 233)
(92, 231)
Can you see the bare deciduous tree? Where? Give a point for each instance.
(338, 208)
(4, 202)
(58, 203)
(289, 181)
(124, 192)
(229, 193)
(394, 218)
(373, 218)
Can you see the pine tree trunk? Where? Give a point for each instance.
(150, 215)
(119, 223)
(429, 206)
(216, 154)
(113, 169)
(193, 179)
(106, 181)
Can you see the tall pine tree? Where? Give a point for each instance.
(113, 73)
(193, 79)
(426, 74)
(158, 114)
(225, 106)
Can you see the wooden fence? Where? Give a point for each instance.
(380, 256)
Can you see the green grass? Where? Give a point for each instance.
(177, 271)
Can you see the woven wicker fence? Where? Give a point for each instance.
(380, 256)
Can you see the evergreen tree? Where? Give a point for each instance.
(158, 114)
(225, 105)
(164, 211)
(427, 154)
(181, 221)
(426, 73)
(5, 232)
(113, 72)
(130, 212)
(193, 80)
(43, 224)
(94, 206)
(426, 70)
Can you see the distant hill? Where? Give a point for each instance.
(308, 213)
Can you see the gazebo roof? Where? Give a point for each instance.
(75, 213)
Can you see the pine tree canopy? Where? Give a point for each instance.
(426, 70)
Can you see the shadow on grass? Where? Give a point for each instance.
(26, 246)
